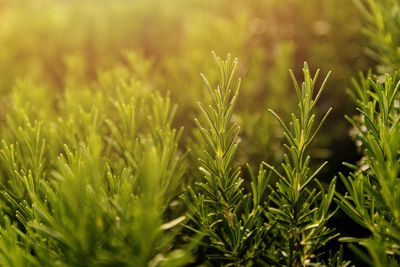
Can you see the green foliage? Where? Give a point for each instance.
(384, 32)
(93, 158)
(230, 222)
(372, 189)
(166, 48)
(300, 212)
(373, 199)
(89, 186)
(285, 228)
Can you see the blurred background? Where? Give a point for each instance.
(165, 44)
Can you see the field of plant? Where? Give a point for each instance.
(199, 133)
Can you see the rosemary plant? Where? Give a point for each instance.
(230, 222)
(373, 199)
(383, 31)
(300, 211)
(102, 200)
(92, 165)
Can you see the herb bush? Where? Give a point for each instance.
(90, 187)
(372, 197)
(242, 229)
(96, 169)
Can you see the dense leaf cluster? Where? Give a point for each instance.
(92, 172)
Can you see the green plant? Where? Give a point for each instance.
(286, 228)
(299, 210)
(93, 159)
(373, 199)
(383, 26)
(230, 221)
(91, 188)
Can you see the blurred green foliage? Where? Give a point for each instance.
(88, 177)
(50, 41)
